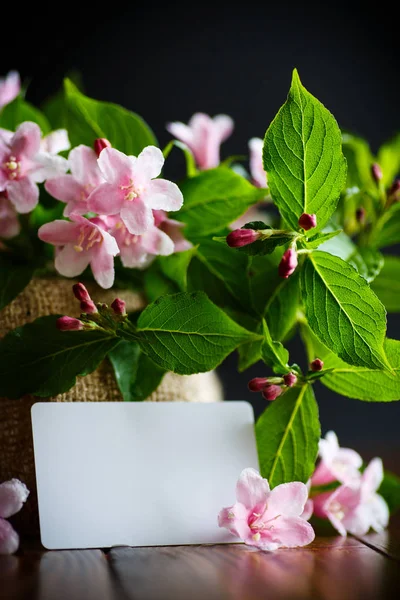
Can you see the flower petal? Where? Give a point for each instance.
(251, 489)
(287, 499)
(71, 263)
(322, 475)
(84, 166)
(47, 166)
(329, 446)
(23, 194)
(26, 140)
(59, 232)
(136, 216)
(224, 126)
(10, 87)
(109, 242)
(378, 513)
(155, 241)
(289, 532)
(181, 132)
(65, 188)
(372, 477)
(102, 265)
(308, 510)
(163, 194)
(235, 519)
(13, 494)
(147, 166)
(115, 166)
(107, 199)
(134, 256)
(55, 142)
(9, 540)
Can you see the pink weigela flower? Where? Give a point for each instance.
(173, 229)
(356, 509)
(80, 243)
(268, 519)
(131, 189)
(23, 164)
(74, 189)
(10, 87)
(203, 135)
(13, 494)
(9, 223)
(258, 175)
(336, 464)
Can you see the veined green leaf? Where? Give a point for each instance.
(14, 277)
(303, 158)
(387, 284)
(343, 311)
(282, 306)
(368, 262)
(176, 265)
(342, 246)
(389, 159)
(287, 436)
(18, 111)
(387, 230)
(321, 238)
(273, 353)
(186, 333)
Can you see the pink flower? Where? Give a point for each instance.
(80, 243)
(131, 189)
(23, 164)
(173, 229)
(203, 135)
(9, 223)
(13, 494)
(337, 464)
(356, 509)
(74, 189)
(55, 142)
(258, 174)
(10, 87)
(268, 519)
(138, 251)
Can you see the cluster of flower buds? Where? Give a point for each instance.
(272, 387)
(93, 316)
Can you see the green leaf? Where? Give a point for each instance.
(387, 284)
(343, 311)
(191, 169)
(368, 262)
(342, 246)
(387, 230)
(186, 333)
(250, 353)
(389, 159)
(14, 277)
(360, 383)
(268, 245)
(321, 238)
(213, 199)
(359, 160)
(18, 111)
(41, 360)
(390, 490)
(273, 353)
(157, 284)
(287, 436)
(136, 374)
(176, 265)
(282, 306)
(88, 119)
(303, 158)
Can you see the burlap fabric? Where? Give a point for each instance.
(54, 296)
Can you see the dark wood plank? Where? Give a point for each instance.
(331, 569)
(63, 575)
(388, 541)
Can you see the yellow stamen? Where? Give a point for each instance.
(256, 537)
(78, 248)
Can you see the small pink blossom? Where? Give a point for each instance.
(10, 87)
(271, 392)
(55, 142)
(268, 519)
(100, 144)
(242, 237)
(75, 188)
(80, 243)
(69, 324)
(257, 384)
(131, 189)
(356, 509)
(173, 229)
(288, 264)
(81, 294)
(307, 221)
(290, 379)
(13, 494)
(23, 164)
(316, 365)
(203, 135)
(119, 306)
(258, 175)
(9, 222)
(336, 464)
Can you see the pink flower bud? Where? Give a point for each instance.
(307, 221)
(242, 237)
(81, 293)
(88, 307)
(290, 379)
(271, 392)
(69, 324)
(257, 384)
(317, 365)
(360, 215)
(376, 172)
(100, 144)
(288, 263)
(118, 307)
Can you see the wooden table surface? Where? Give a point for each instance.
(331, 568)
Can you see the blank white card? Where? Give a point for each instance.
(138, 474)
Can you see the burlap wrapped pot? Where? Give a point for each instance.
(54, 296)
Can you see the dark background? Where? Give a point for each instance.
(167, 62)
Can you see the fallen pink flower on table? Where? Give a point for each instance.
(10, 87)
(131, 189)
(341, 464)
(13, 494)
(80, 243)
(75, 188)
(268, 519)
(356, 509)
(203, 135)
